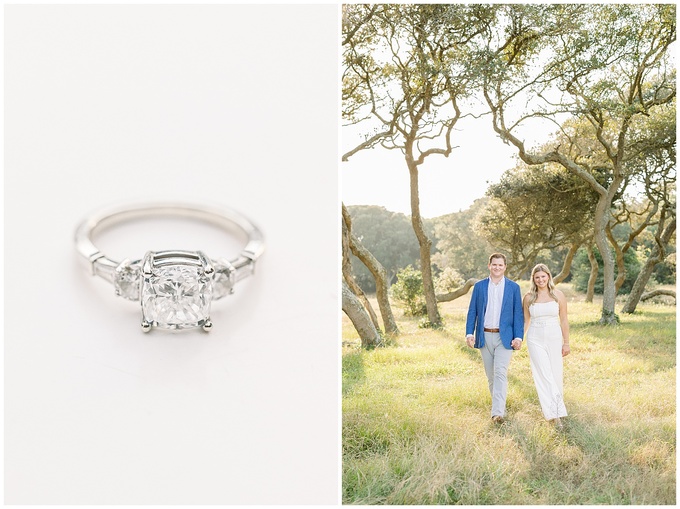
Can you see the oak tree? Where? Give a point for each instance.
(606, 66)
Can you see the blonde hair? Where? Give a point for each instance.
(533, 293)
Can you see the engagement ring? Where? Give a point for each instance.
(175, 288)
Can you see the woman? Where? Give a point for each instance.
(546, 331)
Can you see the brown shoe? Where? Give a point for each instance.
(497, 419)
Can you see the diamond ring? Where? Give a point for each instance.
(175, 288)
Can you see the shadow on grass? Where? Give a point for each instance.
(471, 353)
(563, 462)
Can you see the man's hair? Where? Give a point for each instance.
(498, 255)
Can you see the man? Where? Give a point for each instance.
(495, 325)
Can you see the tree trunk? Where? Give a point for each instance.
(657, 255)
(620, 262)
(446, 297)
(655, 293)
(425, 246)
(566, 265)
(602, 214)
(594, 269)
(347, 273)
(351, 305)
(639, 286)
(356, 290)
(379, 274)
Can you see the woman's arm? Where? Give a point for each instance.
(527, 315)
(564, 322)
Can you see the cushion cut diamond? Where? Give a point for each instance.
(176, 296)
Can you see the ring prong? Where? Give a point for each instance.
(207, 326)
(208, 268)
(146, 326)
(147, 264)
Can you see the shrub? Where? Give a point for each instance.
(447, 280)
(408, 291)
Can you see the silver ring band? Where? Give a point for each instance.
(184, 279)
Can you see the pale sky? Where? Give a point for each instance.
(380, 177)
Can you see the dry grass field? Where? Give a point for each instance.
(416, 426)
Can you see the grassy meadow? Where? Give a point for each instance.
(417, 427)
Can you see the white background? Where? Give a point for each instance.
(222, 104)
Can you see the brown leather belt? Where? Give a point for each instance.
(491, 330)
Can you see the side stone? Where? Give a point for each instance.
(224, 279)
(127, 280)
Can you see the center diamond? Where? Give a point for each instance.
(176, 292)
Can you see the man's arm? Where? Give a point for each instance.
(471, 319)
(517, 314)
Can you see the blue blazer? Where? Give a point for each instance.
(512, 314)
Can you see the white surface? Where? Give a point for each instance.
(230, 104)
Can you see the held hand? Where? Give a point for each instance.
(470, 340)
(565, 350)
(516, 344)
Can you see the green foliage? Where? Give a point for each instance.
(427, 324)
(534, 210)
(600, 73)
(459, 244)
(408, 291)
(447, 280)
(581, 271)
(413, 56)
(664, 273)
(388, 236)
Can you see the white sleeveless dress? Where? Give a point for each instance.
(544, 341)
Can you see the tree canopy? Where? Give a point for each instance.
(598, 79)
(599, 72)
(388, 236)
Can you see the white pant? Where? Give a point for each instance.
(496, 363)
(544, 341)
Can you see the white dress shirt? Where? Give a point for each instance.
(492, 317)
